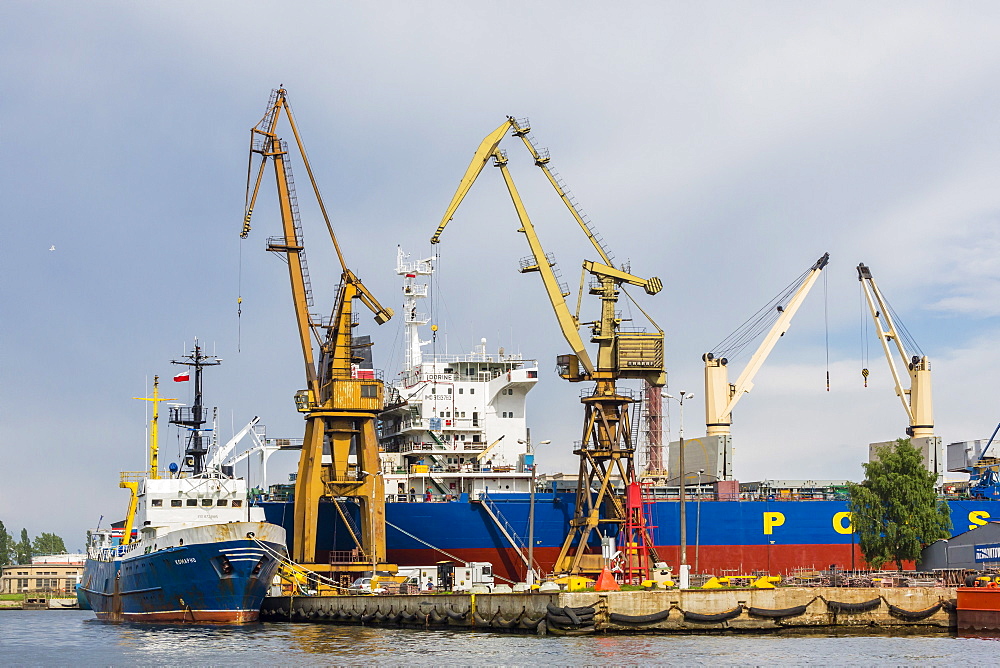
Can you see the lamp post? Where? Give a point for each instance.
(684, 569)
(530, 577)
(697, 524)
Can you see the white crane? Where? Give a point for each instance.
(721, 397)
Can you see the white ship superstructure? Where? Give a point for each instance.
(456, 423)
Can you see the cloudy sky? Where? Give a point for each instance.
(721, 146)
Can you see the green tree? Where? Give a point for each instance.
(22, 550)
(896, 510)
(6, 546)
(48, 543)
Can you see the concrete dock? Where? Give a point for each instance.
(913, 609)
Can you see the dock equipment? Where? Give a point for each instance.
(606, 450)
(338, 404)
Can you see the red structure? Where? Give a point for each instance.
(637, 543)
(653, 402)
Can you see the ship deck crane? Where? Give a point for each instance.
(721, 397)
(339, 410)
(606, 448)
(916, 399)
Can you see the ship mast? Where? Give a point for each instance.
(154, 428)
(413, 291)
(193, 417)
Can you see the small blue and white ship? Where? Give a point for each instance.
(201, 552)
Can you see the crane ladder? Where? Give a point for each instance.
(293, 201)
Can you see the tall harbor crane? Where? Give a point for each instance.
(721, 396)
(916, 399)
(607, 448)
(339, 408)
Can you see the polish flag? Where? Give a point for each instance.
(182, 376)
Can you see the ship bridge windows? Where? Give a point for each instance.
(157, 503)
(176, 503)
(192, 502)
(461, 390)
(237, 503)
(222, 502)
(207, 502)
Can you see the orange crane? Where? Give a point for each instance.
(339, 408)
(606, 451)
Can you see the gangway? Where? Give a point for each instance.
(505, 528)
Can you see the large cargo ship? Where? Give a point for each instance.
(202, 552)
(723, 536)
(458, 469)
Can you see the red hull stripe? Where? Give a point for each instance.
(215, 616)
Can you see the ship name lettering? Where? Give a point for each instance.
(978, 518)
(772, 520)
(186, 560)
(839, 524)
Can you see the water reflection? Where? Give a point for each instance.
(77, 638)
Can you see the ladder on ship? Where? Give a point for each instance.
(505, 528)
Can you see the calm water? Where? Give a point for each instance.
(72, 637)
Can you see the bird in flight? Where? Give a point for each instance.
(52, 248)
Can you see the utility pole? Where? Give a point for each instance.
(684, 568)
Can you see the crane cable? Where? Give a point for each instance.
(826, 325)
(239, 271)
(239, 300)
(760, 322)
(864, 334)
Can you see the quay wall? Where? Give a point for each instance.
(913, 609)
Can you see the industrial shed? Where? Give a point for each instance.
(978, 549)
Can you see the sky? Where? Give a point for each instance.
(721, 146)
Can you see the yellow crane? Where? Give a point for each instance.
(606, 449)
(339, 409)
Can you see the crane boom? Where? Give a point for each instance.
(916, 399)
(220, 454)
(721, 397)
(543, 265)
(488, 149)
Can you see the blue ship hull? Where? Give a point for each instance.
(777, 536)
(207, 582)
